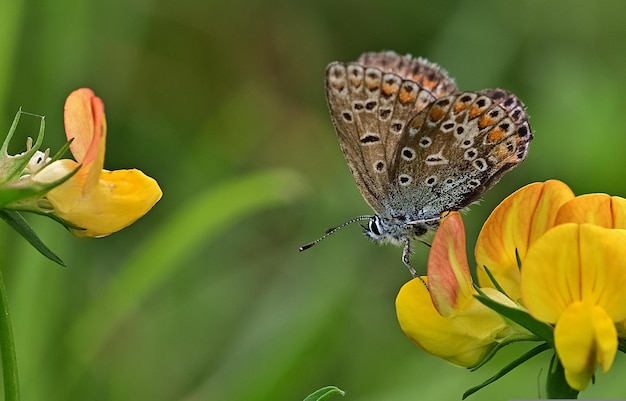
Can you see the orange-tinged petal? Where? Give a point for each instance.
(599, 209)
(514, 225)
(463, 340)
(575, 263)
(85, 123)
(119, 199)
(584, 336)
(448, 272)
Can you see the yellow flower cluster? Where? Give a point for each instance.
(573, 277)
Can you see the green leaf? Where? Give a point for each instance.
(521, 317)
(530, 354)
(15, 220)
(324, 393)
(556, 385)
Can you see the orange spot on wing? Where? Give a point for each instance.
(436, 113)
(388, 90)
(356, 81)
(485, 121)
(496, 135)
(428, 84)
(459, 107)
(417, 122)
(474, 112)
(338, 86)
(371, 85)
(503, 155)
(406, 97)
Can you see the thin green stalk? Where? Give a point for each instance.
(7, 349)
(556, 386)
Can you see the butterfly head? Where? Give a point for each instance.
(397, 230)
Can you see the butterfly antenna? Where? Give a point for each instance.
(331, 231)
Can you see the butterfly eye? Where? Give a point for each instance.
(373, 226)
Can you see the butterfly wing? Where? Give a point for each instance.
(370, 103)
(427, 75)
(455, 150)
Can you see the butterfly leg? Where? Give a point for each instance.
(406, 255)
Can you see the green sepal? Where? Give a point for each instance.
(495, 282)
(521, 317)
(59, 220)
(10, 195)
(19, 224)
(324, 393)
(497, 348)
(621, 345)
(530, 354)
(61, 152)
(12, 166)
(23, 195)
(556, 385)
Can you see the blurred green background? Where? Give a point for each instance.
(222, 101)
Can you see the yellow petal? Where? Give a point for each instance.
(584, 337)
(599, 209)
(573, 263)
(119, 199)
(550, 273)
(85, 123)
(450, 281)
(514, 225)
(464, 339)
(603, 269)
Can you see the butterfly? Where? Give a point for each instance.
(416, 146)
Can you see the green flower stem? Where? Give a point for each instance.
(7, 349)
(556, 386)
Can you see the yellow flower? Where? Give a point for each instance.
(573, 271)
(574, 276)
(559, 256)
(446, 319)
(98, 201)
